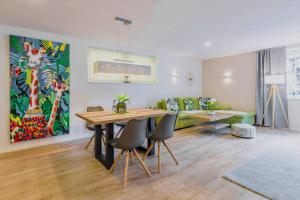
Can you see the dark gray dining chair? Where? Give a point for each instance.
(121, 125)
(133, 136)
(164, 131)
(92, 127)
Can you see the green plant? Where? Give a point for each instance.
(120, 103)
(122, 98)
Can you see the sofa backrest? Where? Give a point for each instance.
(181, 105)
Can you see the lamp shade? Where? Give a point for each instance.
(275, 79)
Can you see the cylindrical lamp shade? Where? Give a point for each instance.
(275, 79)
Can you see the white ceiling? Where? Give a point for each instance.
(178, 27)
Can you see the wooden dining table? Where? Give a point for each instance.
(108, 119)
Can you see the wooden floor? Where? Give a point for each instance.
(66, 171)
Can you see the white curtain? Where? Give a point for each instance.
(270, 62)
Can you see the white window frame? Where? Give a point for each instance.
(293, 85)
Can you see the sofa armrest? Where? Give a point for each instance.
(249, 114)
(159, 105)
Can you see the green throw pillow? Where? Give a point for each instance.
(211, 102)
(188, 104)
(205, 102)
(172, 104)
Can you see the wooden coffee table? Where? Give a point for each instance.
(211, 119)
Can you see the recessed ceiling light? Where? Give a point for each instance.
(207, 44)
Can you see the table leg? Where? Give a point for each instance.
(106, 159)
(151, 127)
(215, 131)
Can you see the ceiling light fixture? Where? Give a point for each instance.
(125, 23)
(207, 44)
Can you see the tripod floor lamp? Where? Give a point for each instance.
(274, 80)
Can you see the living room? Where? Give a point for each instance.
(149, 99)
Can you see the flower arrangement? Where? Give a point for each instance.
(120, 103)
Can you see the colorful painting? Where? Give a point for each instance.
(39, 90)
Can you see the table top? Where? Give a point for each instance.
(202, 116)
(106, 117)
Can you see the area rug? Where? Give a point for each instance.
(274, 174)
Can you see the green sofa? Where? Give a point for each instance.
(184, 121)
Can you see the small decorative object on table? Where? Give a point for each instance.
(120, 103)
(126, 79)
(151, 106)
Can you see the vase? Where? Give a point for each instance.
(121, 108)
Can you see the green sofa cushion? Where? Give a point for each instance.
(159, 105)
(203, 103)
(182, 115)
(183, 123)
(244, 119)
(248, 114)
(164, 104)
(180, 103)
(217, 106)
(188, 104)
(195, 102)
(172, 104)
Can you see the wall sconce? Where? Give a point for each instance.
(174, 76)
(227, 77)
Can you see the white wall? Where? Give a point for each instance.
(231, 80)
(84, 93)
(294, 114)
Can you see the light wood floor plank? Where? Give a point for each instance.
(67, 171)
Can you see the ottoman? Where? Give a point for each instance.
(243, 130)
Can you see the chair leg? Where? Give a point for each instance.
(148, 150)
(141, 162)
(130, 156)
(125, 169)
(158, 157)
(119, 132)
(169, 150)
(113, 167)
(88, 144)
